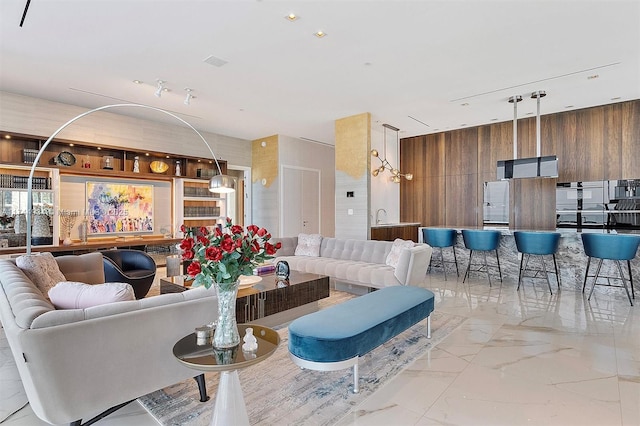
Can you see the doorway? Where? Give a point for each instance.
(300, 206)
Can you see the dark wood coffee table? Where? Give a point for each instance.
(268, 303)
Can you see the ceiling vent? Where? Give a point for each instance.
(216, 62)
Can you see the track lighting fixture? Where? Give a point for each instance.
(160, 88)
(187, 99)
(395, 173)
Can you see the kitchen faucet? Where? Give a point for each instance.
(378, 212)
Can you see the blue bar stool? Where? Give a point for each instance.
(610, 247)
(538, 244)
(484, 241)
(441, 238)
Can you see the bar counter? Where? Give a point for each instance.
(570, 256)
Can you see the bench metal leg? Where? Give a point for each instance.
(356, 378)
(429, 327)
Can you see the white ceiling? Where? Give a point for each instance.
(395, 59)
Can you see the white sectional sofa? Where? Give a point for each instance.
(359, 263)
(77, 363)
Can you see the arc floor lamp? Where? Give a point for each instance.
(218, 183)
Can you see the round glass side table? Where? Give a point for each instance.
(229, 408)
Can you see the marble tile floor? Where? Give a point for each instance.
(520, 358)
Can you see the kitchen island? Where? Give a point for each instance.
(391, 231)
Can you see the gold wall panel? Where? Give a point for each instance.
(264, 160)
(353, 143)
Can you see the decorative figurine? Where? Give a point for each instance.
(250, 342)
(136, 164)
(282, 270)
(178, 172)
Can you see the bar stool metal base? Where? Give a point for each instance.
(442, 262)
(609, 278)
(483, 267)
(525, 260)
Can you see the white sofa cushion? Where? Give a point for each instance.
(75, 295)
(394, 255)
(42, 269)
(308, 245)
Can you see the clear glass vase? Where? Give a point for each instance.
(226, 334)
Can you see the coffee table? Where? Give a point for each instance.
(230, 408)
(267, 302)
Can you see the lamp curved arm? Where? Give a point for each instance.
(42, 149)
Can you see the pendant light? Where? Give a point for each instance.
(384, 164)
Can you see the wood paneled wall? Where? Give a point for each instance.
(449, 168)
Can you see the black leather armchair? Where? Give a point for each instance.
(130, 266)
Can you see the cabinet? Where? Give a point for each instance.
(65, 165)
(404, 231)
(13, 205)
(82, 158)
(195, 205)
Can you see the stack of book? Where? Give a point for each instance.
(264, 269)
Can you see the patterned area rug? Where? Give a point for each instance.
(12, 395)
(276, 391)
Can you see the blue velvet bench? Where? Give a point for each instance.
(336, 337)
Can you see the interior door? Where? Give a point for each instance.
(300, 208)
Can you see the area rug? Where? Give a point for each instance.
(276, 392)
(12, 395)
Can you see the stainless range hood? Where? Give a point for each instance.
(528, 168)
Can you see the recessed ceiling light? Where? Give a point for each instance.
(146, 153)
(99, 148)
(463, 124)
(7, 136)
(137, 81)
(616, 98)
(569, 106)
(70, 144)
(292, 17)
(167, 156)
(320, 34)
(367, 64)
(465, 104)
(591, 77)
(529, 113)
(494, 119)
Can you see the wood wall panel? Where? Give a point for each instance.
(422, 199)
(495, 142)
(613, 152)
(534, 203)
(461, 152)
(591, 144)
(630, 140)
(461, 200)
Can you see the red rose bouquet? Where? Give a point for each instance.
(222, 255)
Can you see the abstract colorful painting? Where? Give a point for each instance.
(119, 208)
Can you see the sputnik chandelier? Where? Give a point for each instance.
(384, 164)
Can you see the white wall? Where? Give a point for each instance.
(39, 117)
(384, 193)
(294, 152)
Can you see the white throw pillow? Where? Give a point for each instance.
(74, 295)
(394, 255)
(308, 245)
(42, 269)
